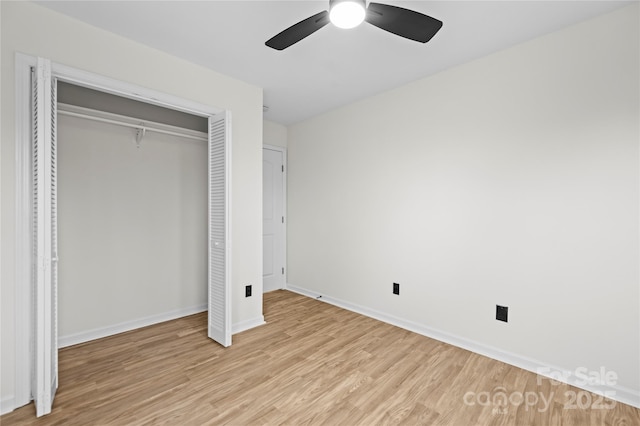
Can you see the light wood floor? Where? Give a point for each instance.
(312, 363)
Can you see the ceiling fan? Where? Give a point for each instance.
(351, 13)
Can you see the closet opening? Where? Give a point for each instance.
(132, 214)
(37, 255)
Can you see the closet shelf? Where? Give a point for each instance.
(132, 122)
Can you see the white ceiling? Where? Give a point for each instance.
(332, 67)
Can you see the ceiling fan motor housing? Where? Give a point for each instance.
(333, 2)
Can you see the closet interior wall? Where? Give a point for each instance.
(132, 218)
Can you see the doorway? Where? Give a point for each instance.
(132, 214)
(36, 206)
(273, 218)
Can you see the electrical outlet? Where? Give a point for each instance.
(396, 288)
(502, 313)
(247, 291)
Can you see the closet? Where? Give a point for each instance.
(58, 229)
(132, 214)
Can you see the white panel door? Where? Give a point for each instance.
(273, 244)
(45, 238)
(219, 275)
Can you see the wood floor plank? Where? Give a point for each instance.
(311, 364)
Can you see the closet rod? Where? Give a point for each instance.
(131, 125)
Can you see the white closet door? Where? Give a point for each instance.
(219, 249)
(45, 236)
(273, 228)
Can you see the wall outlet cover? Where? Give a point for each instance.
(247, 291)
(396, 288)
(502, 313)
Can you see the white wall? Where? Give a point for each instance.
(132, 227)
(511, 180)
(274, 134)
(37, 31)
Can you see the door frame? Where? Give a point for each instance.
(283, 151)
(24, 293)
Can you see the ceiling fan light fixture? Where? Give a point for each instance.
(402, 22)
(347, 13)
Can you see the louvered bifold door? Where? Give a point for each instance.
(45, 241)
(219, 248)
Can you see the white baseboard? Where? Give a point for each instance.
(241, 326)
(618, 393)
(7, 405)
(98, 333)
